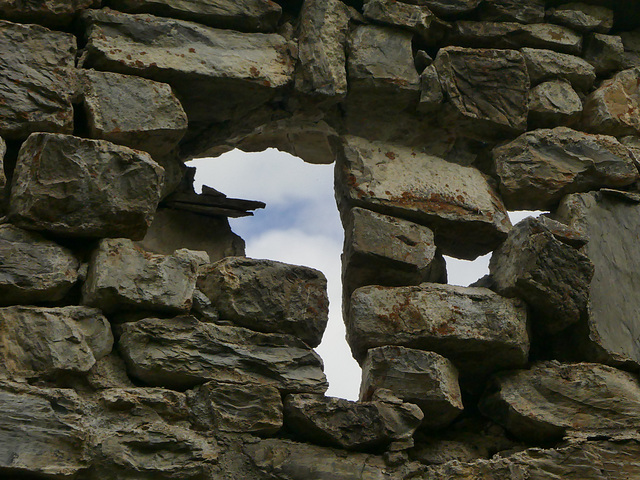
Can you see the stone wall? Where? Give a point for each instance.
(137, 341)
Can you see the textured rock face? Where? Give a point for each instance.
(83, 188)
(183, 352)
(538, 168)
(122, 276)
(33, 269)
(296, 301)
(554, 399)
(466, 325)
(455, 201)
(423, 378)
(548, 65)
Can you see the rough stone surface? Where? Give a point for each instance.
(167, 404)
(246, 408)
(552, 400)
(72, 186)
(183, 352)
(122, 276)
(32, 268)
(423, 378)
(269, 296)
(544, 65)
(384, 250)
(431, 94)
(605, 53)
(56, 14)
(448, 7)
(350, 425)
(243, 15)
(538, 168)
(552, 277)
(582, 17)
(45, 342)
(456, 202)
(476, 329)
(527, 11)
(554, 103)
(36, 86)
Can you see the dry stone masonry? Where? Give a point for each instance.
(137, 341)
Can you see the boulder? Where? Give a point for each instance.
(350, 425)
(538, 168)
(242, 15)
(456, 202)
(553, 400)
(37, 84)
(75, 187)
(551, 276)
(32, 268)
(611, 108)
(245, 408)
(422, 378)
(552, 104)
(473, 81)
(182, 353)
(527, 11)
(544, 65)
(582, 17)
(48, 343)
(605, 53)
(217, 74)
(269, 296)
(56, 14)
(124, 277)
(384, 250)
(476, 329)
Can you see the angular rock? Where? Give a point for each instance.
(431, 94)
(37, 87)
(582, 17)
(422, 60)
(474, 83)
(133, 111)
(538, 168)
(553, 399)
(324, 26)
(553, 104)
(456, 202)
(269, 296)
(515, 35)
(217, 74)
(122, 276)
(384, 250)
(49, 342)
(605, 53)
(168, 404)
(552, 277)
(346, 424)
(183, 353)
(57, 14)
(544, 65)
(243, 15)
(527, 11)
(32, 268)
(244, 408)
(423, 378)
(476, 329)
(72, 186)
(611, 108)
(448, 7)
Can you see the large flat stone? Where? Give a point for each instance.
(540, 167)
(527, 11)
(475, 328)
(448, 7)
(37, 86)
(72, 186)
(183, 352)
(57, 14)
(456, 202)
(544, 65)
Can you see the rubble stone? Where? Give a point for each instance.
(528, 11)
(544, 65)
(582, 17)
(56, 14)
(431, 94)
(448, 7)
(552, 104)
(605, 53)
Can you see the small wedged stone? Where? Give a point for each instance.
(269, 296)
(244, 408)
(456, 202)
(76, 187)
(56, 14)
(350, 425)
(527, 11)
(582, 17)
(552, 104)
(476, 329)
(183, 352)
(124, 277)
(37, 84)
(49, 342)
(431, 94)
(553, 399)
(605, 53)
(33, 269)
(243, 15)
(423, 378)
(551, 276)
(540, 167)
(544, 65)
